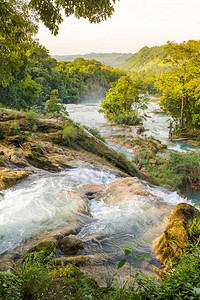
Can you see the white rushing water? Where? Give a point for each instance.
(37, 206)
(34, 207)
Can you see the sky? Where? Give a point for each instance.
(134, 24)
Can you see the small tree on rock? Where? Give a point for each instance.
(123, 102)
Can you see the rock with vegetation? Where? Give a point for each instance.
(9, 177)
(71, 245)
(182, 231)
(44, 249)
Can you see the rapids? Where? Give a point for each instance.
(44, 203)
(39, 205)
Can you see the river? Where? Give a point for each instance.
(41, 204)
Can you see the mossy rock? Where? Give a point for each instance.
(178, 235)
(71, 245)
(36, 157)
(69, 282)
(9, 177)
(43, 250)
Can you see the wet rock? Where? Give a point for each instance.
(124, 190)
(36, 157)
(71, 245)
(90, 189)
(77, 203)
(177, 236)
(81, 260)
(9, 177)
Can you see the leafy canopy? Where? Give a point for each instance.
(181, 85)
(49, 11)
(17, 26)
(123, 102)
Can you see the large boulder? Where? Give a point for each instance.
(178, 235)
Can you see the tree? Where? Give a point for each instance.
(181, 85)
(123, 102)
(49, 11)
(17, 27)
(53, 105)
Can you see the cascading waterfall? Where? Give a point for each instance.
(33, 207)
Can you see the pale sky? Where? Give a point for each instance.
(134, 24)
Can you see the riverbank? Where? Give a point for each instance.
(81, 203)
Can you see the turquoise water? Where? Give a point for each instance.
(157, 124)
(194, 196)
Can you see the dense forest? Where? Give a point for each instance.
(111, 59)
(33, 81)
(147, 59)
(146, 64)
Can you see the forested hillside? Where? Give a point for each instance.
(146, 64)
(108, 59)
(147, 59)
(38, 74)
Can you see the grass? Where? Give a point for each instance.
(176, 172)
(35, 280)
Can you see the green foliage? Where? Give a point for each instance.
(53, 105)
(140, 129)
(147, 59)
(180, 86)
(50, 14)
(86, 79)
(194, 228)
(179, 170)
(40, 74)
(181, 283)
(123, 102)
(95, 133)
(69, 132)
(14, 128)
(25, 282)
(32, 119)
(145, 65)
(129, 165)
(127, 118)
(16, 30)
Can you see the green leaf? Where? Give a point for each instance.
(127, 251)
(121, 263)
(143, 256)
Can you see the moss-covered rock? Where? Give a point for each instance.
(36, 157)
(43, 250)
(71, 245)
(9, 177)
(178, 234)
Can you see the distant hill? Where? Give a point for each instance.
(108, 59)
(147, 60)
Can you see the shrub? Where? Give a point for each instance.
(14, 128)
(140, 129)
(127, 119)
